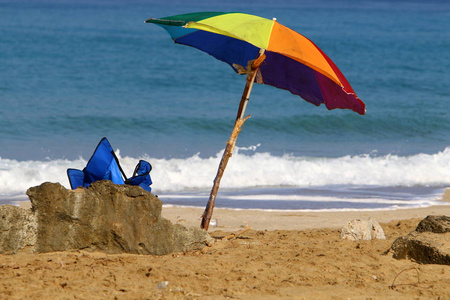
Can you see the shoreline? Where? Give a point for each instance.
(233, 220)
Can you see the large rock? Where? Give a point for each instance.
(362, 230)
(105, 217)
(17, 229)
(428, 244)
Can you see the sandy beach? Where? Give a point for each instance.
(258, 255)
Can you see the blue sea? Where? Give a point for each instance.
(72, 72)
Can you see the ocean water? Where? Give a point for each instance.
(74, 72)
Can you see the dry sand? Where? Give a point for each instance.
(282, 256)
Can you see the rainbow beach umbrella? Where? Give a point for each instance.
(268, 53)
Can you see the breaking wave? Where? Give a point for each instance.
(249, 171)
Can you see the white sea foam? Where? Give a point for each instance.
(265, 170)
(250, 171)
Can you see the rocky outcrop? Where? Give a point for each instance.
(17, 229)
(362, 230)
(105, 217)
(436, 224)
(428, 244)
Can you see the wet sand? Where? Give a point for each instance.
(232, 220)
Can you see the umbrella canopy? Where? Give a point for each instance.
(292, 62)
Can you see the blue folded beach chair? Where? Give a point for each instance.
(104, 165)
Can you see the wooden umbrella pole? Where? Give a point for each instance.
(207, 214)
(206, 218)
